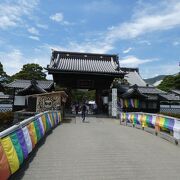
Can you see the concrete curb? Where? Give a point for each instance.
(129, 125)
(123, 123)
(150, 130)
(168, 137)
(137, 126)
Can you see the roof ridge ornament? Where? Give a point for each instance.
(113, 63)
(34, 82)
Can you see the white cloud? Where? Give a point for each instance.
(11, 13)
(99, 47)
(147, 22)
(144, 42)
(150, 19)
(12, 61)
(103, 6)
(132, 61)
(34, 38)
(33, 30)
(43, 26)
(58, 17)
(163, 69)
(127, 50)
(176, 43)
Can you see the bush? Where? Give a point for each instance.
(6, 118)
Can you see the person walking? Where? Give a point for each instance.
(84, 109)
(77, 108)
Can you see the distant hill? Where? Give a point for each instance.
(155, 80)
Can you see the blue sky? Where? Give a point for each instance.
(145, 34)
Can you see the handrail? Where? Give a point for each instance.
(9, 130)
(20, 124)
(154, 115)
(16, 147)
(158, 122)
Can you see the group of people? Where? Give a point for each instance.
(84, 108)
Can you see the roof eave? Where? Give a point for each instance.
(57, 71)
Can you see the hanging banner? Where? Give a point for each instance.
(114, 102)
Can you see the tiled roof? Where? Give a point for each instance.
(6, 96)
(176, 91)
(133, 91)
(32, 89)
(22, 84)
(152, 96)
(150, 90)
(84, 62)
(169, 97)
(134, 78)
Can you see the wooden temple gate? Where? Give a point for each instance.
(72, 70)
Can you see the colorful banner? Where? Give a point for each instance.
(11, 154)
(156, 121)
(27, 139)
(4, 165)
(22, 142)
(15, 147)
(130, 103)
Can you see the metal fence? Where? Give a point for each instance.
(5, 107)
(170, 109)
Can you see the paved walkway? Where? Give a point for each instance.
(103, 150)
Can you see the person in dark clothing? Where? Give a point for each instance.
(76, 108)
(84, 108)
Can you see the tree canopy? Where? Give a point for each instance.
(3, 76)
(78, 96)
(30, 71)
(2, 72)
(170, 82)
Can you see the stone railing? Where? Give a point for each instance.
(156, 121)
(18, 141)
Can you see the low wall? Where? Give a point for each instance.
(5, 107)
(18, 141)
(175, 109)
(159, 122)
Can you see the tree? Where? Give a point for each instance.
(4, 78)
(79, 95)
(177, 82)
(30, 71)
(2, 72)
(170, 82)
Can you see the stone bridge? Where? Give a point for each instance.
(102, 149)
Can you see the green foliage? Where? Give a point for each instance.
(4, 78)
(79, 96)
(170, 82)
(30, 71)
(6, 120)
(2, 72)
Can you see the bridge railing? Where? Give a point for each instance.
(157, 121)
(18, 141)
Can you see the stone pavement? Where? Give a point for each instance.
(101, 149)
